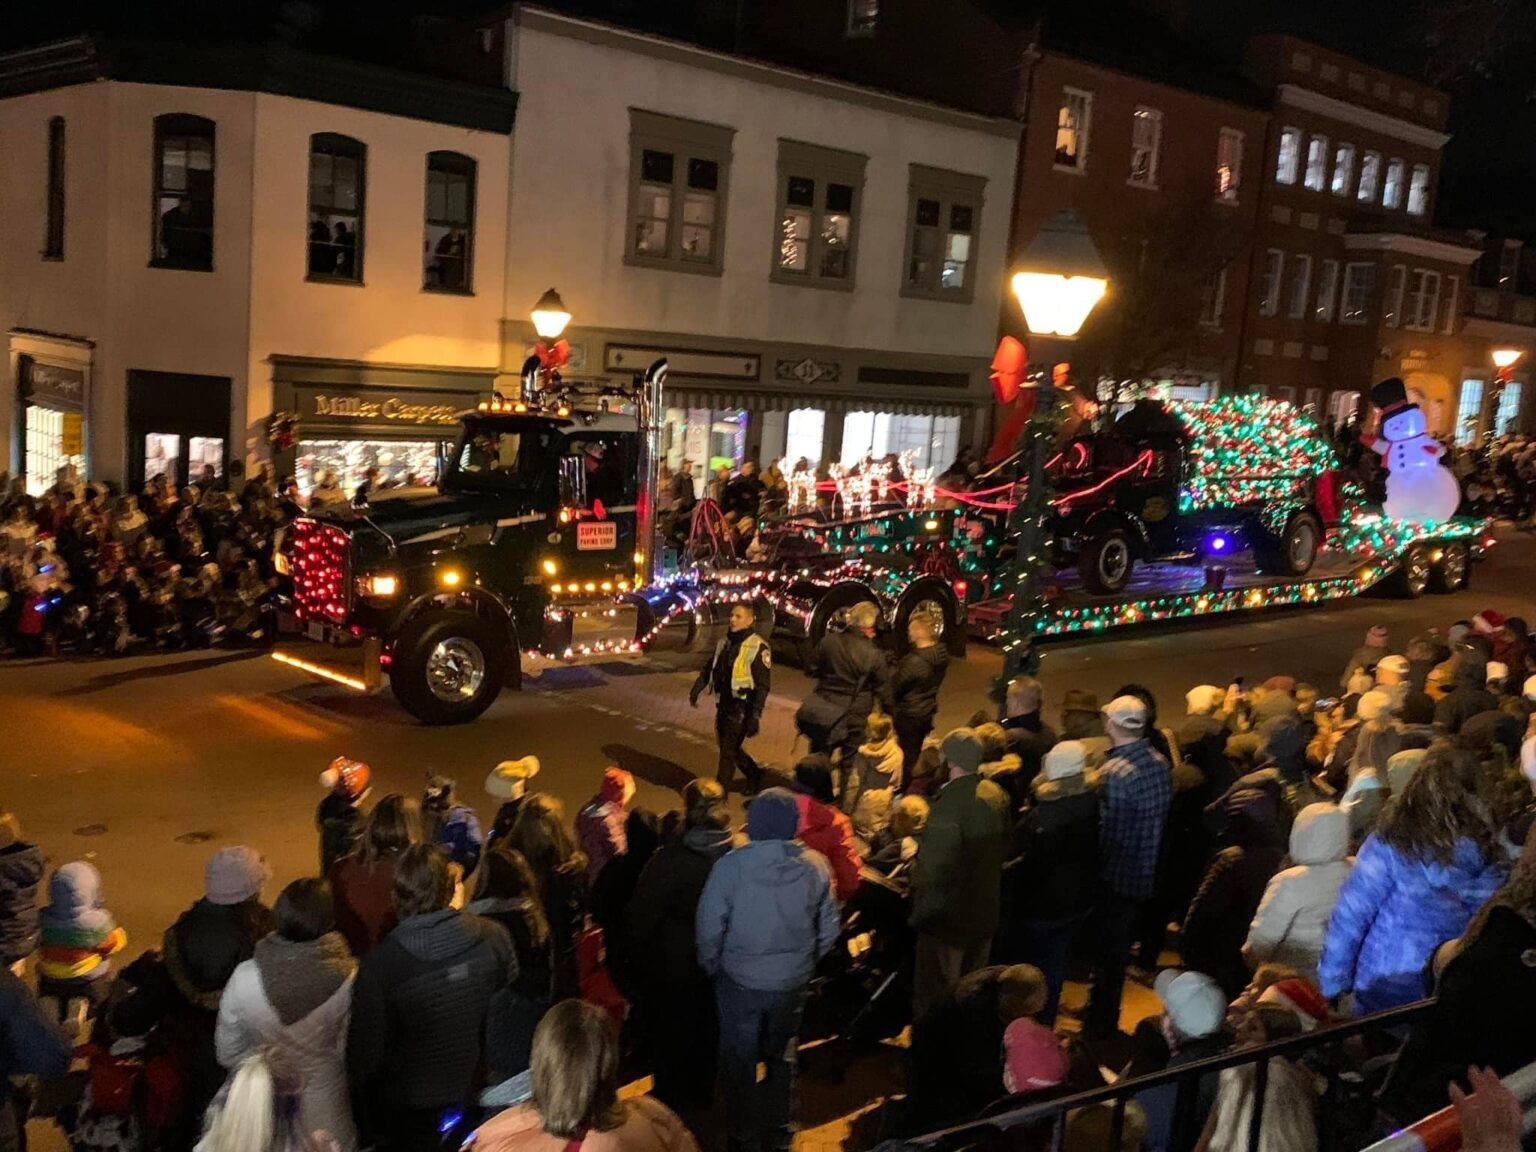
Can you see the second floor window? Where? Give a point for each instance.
(1370, 178)
(1213, 295)
(448, 242)
(1423, 306)
(1343, 169)
(1269, 286)
(1397, 282)
(1146, 145)
(818, 204)
(945, 215)
(1392, 188)
(1327, 292)
(183, 207)
(679, 174)
(1359, 283)
(53, 237)
(1288, 161)
(1229, 164)
(336, 192)
(1301, 287)
(1418, 190)
(1073, 121)
(1317, 163)
(863, 17)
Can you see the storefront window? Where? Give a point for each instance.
(162, 456)
(47, 452)
(931, 440)
(803, 435)
(401, 463)
(710, 438)
(203, 451)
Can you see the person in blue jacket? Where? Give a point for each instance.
(766, 916)
(1419, 878)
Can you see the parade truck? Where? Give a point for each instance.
(540, 537)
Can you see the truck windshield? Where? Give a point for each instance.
(500, 454)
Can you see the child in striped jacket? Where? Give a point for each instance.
(77, 936)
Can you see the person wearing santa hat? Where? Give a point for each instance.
(600, 830)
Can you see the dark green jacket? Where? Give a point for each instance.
(957, 878)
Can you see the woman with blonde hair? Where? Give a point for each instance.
(261, 1112)
(576, 1105)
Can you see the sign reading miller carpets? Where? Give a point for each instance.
(392, 408)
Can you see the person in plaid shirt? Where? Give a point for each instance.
(1135, 785)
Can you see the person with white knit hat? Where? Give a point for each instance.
(508, 782)
(1496, 677)
(1050, 884)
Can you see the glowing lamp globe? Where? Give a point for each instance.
(1505, 357)
(1062, 277)
(550, 316)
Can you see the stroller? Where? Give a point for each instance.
(862, 990)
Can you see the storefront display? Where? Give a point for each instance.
(401, 463)
(53, 406)
(177, 424)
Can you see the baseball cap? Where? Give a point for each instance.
(1127, 712)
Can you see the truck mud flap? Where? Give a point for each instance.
(355, 667)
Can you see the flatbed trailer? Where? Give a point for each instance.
(1369, 553)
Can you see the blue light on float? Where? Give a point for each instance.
(1218, 543)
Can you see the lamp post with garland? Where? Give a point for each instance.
(1063, 278)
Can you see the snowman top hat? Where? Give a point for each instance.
(1390, 396)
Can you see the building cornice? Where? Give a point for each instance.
(1295, 96)
(1409, 245)
(677, 52)
(1498, 331)
(271, 68)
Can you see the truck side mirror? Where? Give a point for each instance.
(573, 482)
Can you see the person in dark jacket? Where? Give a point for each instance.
(743, 492)
(1485, 1003)
(1053, 876)
(851, 675)
(509, 896)
(362, 883)
(540, 834)
(915, 688)
(766, 916)
(340, 816)
(21, 873)
(1469, 694)
(740, 675)
(183, 986)
(32, 1043)
(674, 1004)
(957, 1043)
(419, 1007)
(615, 884)
(957, 877)
(1025, 731)
(1216, 926)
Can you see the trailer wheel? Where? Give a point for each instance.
(933, 599)
(1412, 575)
(1294, 551)
(1453, 572)
(448, 667)
(831, 611)
(1105, 562)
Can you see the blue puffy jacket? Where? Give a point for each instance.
(1393, 912)
(767, 915)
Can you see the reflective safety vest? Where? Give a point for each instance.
(741, 668)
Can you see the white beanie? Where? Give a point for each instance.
(1065, 759)
(1374, 705)
(1203, 699)
(1529, 690)
(1497, 671)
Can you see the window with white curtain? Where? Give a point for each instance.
(1317, 163)
(1469, 411)
(1288, 161)
(1509, 409)
(1146, 145)
(803, 435)
(1343, 169)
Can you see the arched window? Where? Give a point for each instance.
(337, 193)
(448, 246)
(183, 207)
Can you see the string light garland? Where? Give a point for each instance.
(1248, 450)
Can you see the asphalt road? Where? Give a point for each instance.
(146, 765)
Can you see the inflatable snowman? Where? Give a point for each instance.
(1419, 488)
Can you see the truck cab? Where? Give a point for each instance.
(443, 588)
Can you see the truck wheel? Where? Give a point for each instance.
(1106, 562)
(1412, 575)
(933, 599)
(1453, 572)
(448, 667)
(1294, 551)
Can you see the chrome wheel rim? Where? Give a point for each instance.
(934, 611)
(455, 669)
(1303, 546)
(1416, 566)
(1453, 567)
(1113, 561)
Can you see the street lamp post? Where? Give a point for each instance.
(1063, 278)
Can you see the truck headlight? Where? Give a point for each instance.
(379, 585)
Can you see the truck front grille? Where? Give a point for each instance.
(322, 583)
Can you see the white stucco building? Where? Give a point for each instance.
(191, 242)
(822, 264)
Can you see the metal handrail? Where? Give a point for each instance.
(1120, 1093)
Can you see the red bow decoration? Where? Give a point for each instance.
(1009, 365)
(1010, 368)
(552, 356)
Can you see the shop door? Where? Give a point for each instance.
(177, 425)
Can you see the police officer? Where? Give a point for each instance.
(738, 675)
